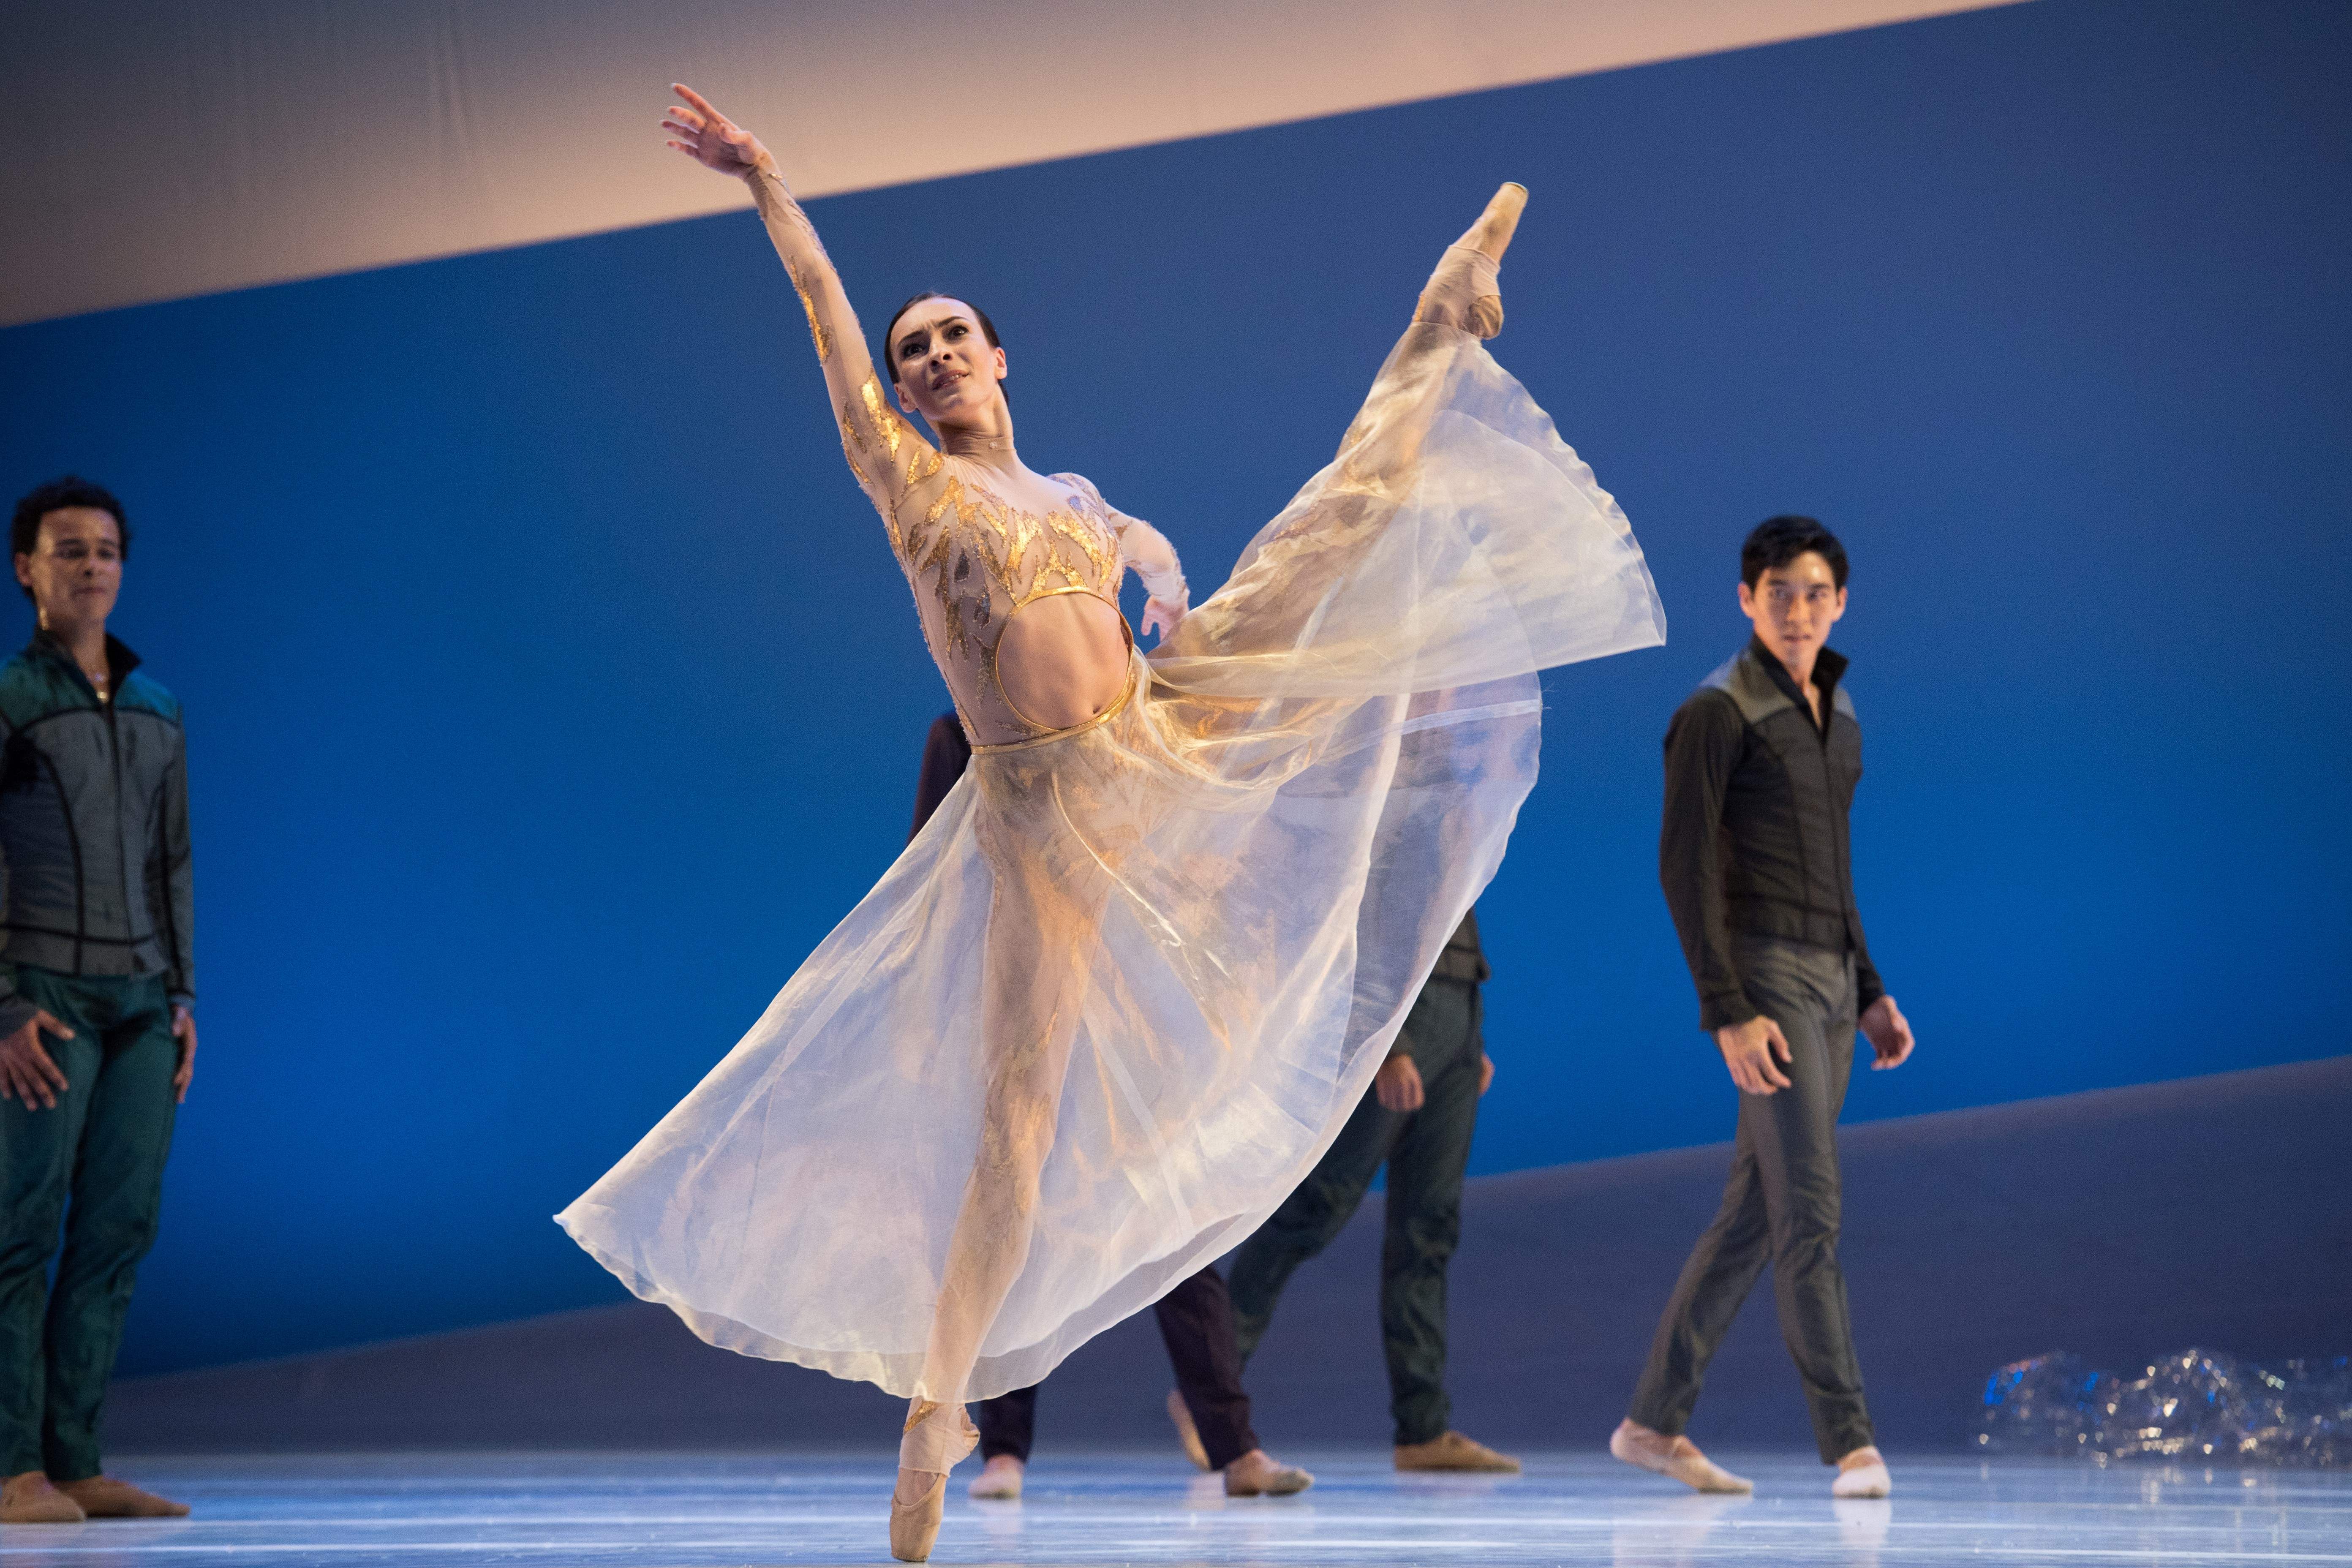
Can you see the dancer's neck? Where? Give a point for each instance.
(988, 440)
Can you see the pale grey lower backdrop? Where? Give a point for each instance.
(2118, 1225)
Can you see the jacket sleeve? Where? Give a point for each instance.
(14, 1009)
(170, 885)
(1703, 746)
(1867, 987)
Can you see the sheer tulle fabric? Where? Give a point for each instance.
(1118, 996)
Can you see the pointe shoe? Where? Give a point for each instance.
(1862, 1473)
(1464, 291)
(1678, 1459)
(1491, 235)
(103, 1497)
(29, 1498)
(936, 1440)
(1259, 1474)
(915, 1525)
(1452, 1451)
(1000, 1478)
(1187, 1434)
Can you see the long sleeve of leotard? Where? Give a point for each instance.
(1149, 554)
(892, 463)
(1142, 549)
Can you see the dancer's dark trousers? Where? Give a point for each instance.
(1781, 1206)
(1427, 1151)
(92, 1166)
(1196, 1320)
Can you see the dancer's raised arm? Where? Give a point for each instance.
(890, 460)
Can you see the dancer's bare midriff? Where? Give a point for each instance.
(1061, 660)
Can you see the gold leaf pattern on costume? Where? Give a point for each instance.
(1089, 539)
(819, 333)
(885, 419)
(981, 558)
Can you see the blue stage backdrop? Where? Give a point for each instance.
(551, 691)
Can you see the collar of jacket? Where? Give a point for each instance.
(1828, 668)
(119, 660)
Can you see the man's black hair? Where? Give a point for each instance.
(1778, 540)
(890, 350)
(24, 532)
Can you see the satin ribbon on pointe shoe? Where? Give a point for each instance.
(1466, 290)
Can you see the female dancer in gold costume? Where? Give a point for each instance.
(1127, 986)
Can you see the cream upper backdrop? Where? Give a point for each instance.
(158, 150)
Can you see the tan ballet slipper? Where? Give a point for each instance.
(1466, 290)
(1259, 1474)
(1861, 1474)
(1453, 1451)
(999, 1480)
(1678, 1459)
(30, 1499)
(103, 1497)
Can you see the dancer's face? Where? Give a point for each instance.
(75, 569)
(1793, 608)
(943, 364)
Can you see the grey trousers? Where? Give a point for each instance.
(1779, 1206)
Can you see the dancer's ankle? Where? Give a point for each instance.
(937, 1437)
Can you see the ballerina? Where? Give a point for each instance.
(1127, 985)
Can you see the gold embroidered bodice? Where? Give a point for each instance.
(975, 561)
(973, 558)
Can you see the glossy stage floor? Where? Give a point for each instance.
(687, 1512)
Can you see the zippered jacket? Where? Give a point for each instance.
(94, 870)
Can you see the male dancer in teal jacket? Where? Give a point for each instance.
(97, 1034)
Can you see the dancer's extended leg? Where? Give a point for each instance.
(1049, 899)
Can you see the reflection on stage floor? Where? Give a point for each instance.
(671, 1511)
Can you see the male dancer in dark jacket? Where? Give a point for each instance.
(97, 1039)
(1761, 764)
(1196, 1319)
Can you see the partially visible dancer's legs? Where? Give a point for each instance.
(1424, 1226)
(1427, 1151)
(1209, 1407)
(1008, 1426)
(94, 1163)
(1781, 1205)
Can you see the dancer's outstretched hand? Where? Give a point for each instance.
(1889, 1031)
(1161, 615)
(708, 137)
(1749, 1049)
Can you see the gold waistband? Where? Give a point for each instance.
(1126, 695)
